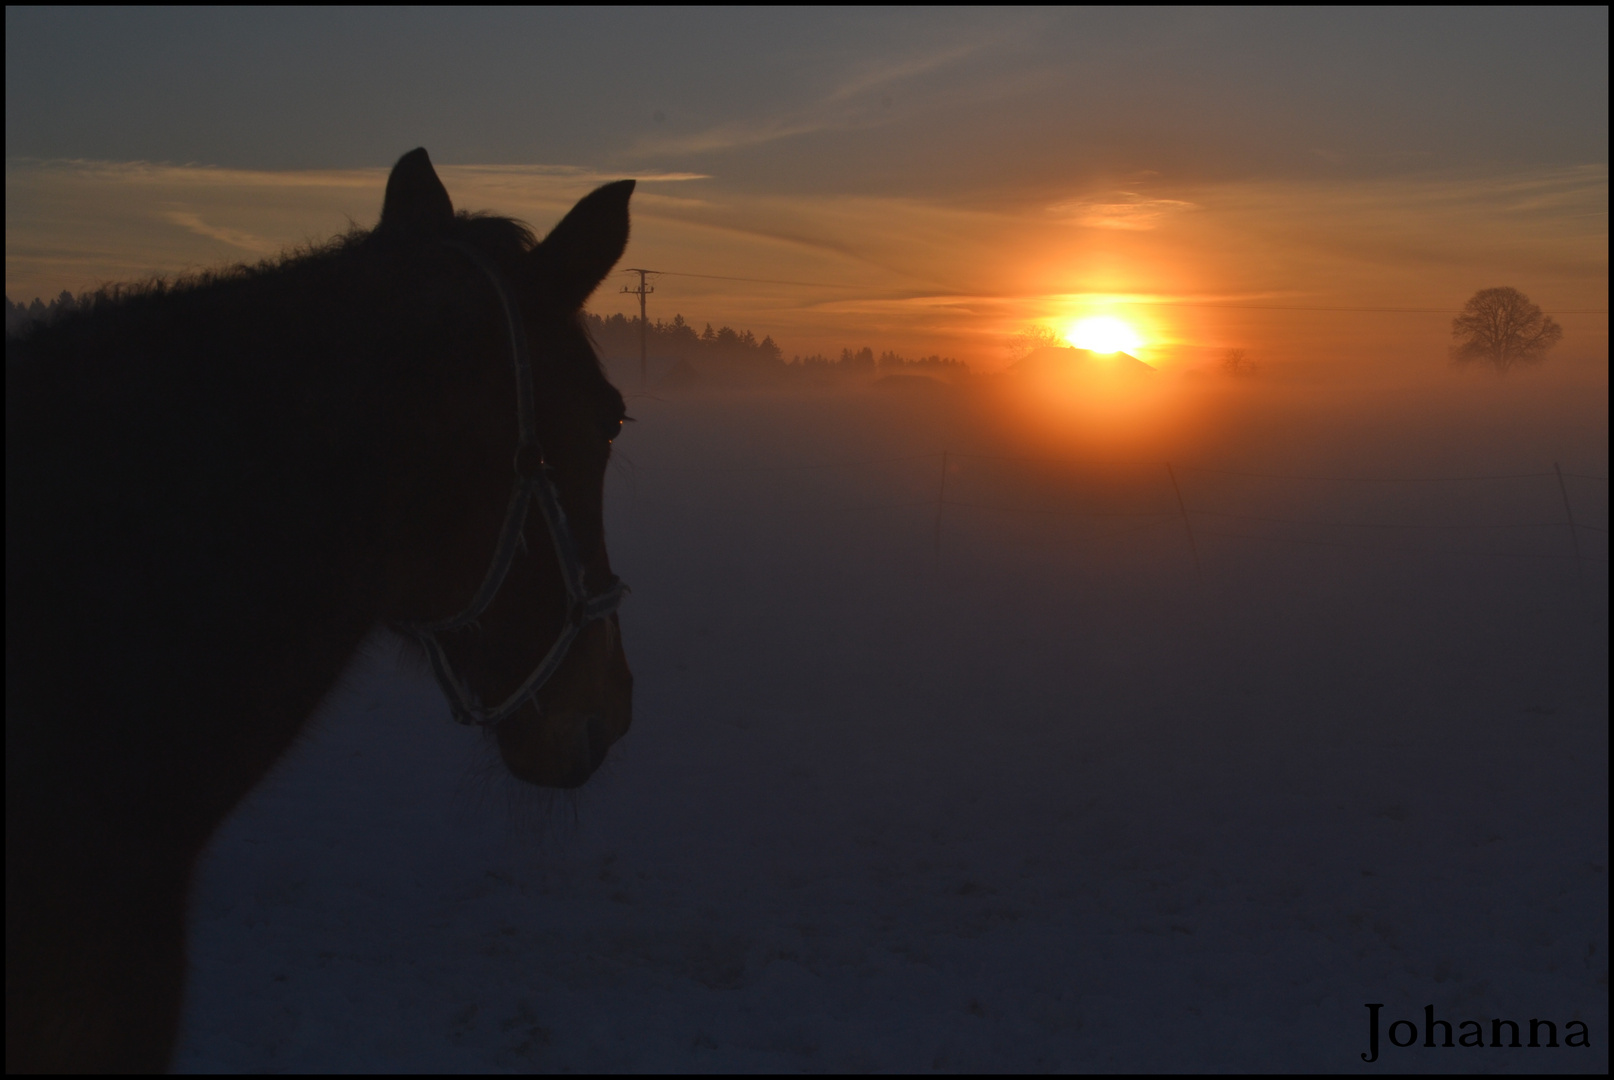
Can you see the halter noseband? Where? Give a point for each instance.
(532, 485)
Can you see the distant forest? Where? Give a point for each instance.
(677, 351)
(19, 315)
(727, 355)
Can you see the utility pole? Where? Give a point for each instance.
(644, 327)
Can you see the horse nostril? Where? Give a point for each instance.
(590, 741)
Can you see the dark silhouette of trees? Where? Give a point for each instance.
(860, 361)
(1023, 343)
(724, 348)
(1237, 362)
(736, 357)
(935, 364)
(20, 316)
(1502, 327)
(722, 353)
(863, 362)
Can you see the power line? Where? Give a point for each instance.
(760, 281)
(1274, 307)
(1130, 303)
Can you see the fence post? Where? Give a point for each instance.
(1574, 537)
(941, 495)
(1186, 524)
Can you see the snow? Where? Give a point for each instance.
(1046, 800)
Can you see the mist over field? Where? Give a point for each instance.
(1028, 790)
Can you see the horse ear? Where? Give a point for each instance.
(581, 250)
(416, 200)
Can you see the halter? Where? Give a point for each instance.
(531, 485)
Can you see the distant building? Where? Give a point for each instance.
(1081, 364)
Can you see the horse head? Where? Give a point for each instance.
(508, 588)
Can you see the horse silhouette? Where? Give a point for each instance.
(215, 490)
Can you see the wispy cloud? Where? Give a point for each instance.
(239, 238)
(736, 134)
(1119, 210)
(574, 173)
(883, 74)
(76, 224)
(532, 190)
(146, 173)
(850, 105)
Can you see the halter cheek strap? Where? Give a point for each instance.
(532, 484)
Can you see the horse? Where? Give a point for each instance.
(216, 489)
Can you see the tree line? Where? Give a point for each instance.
(864, 361)
(1500, 327)
(618, 337)
(713, 353)
(726, 352)
(19, 316)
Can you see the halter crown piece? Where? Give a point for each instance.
(531, 485)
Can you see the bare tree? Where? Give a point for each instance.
(1503, 328)
(1024, 342)
(1237, 362)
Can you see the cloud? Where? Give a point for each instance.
(885, 74)
(729, 136)
(575, 173)
(157, 174)
(1119, 210)
(533, 191)
(848, 106)
(150, 174)
(234, 237)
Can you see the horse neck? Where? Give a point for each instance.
(209, 526)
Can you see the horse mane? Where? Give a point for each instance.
(133, 406)
(280, 282)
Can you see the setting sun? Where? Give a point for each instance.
(1103, 334)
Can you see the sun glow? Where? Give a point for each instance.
(1103, 334)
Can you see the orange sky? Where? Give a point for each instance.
(1193, 270)
(919, 180)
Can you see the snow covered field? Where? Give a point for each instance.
(1046, 800)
